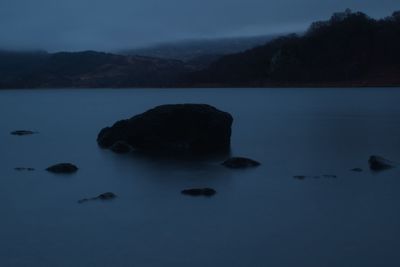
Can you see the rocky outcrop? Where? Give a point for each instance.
(377, 163)
(187, 128)
(63, 168)
(240, 163)
(195, 192)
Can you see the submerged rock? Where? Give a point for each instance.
(193, 128)
(83, 200)
(63, 168)
(23, 169)
(22, 132)
(121, 147)
(208, 192)
(329, 176)
(357, 170)
(104, 196)
(240, 163)
(377, 163)
(302, 177)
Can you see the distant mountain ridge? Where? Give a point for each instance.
(349, 49)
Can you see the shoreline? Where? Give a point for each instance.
(215, 86)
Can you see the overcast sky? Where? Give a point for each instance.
(56, 25)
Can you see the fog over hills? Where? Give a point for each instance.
(187, 50)
(200, 53)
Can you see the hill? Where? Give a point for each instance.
(200, 52)
(348, 49)
(86, 69)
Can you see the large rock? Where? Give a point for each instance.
(194, 128)
(377, 163)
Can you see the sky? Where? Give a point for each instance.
(110, 25)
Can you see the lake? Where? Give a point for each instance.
(259, 217)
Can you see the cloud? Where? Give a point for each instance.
(110, 25)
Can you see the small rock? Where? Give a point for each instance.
(299, 177)
(22, 132)
(329, 176)
(24, 169)
(377, 163)
(240, 163)
(63, 168)
(106, 196)
(83, 200)
(357, 170)
(121, 147)
(208, 192)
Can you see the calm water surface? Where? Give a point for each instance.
(260, 217)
